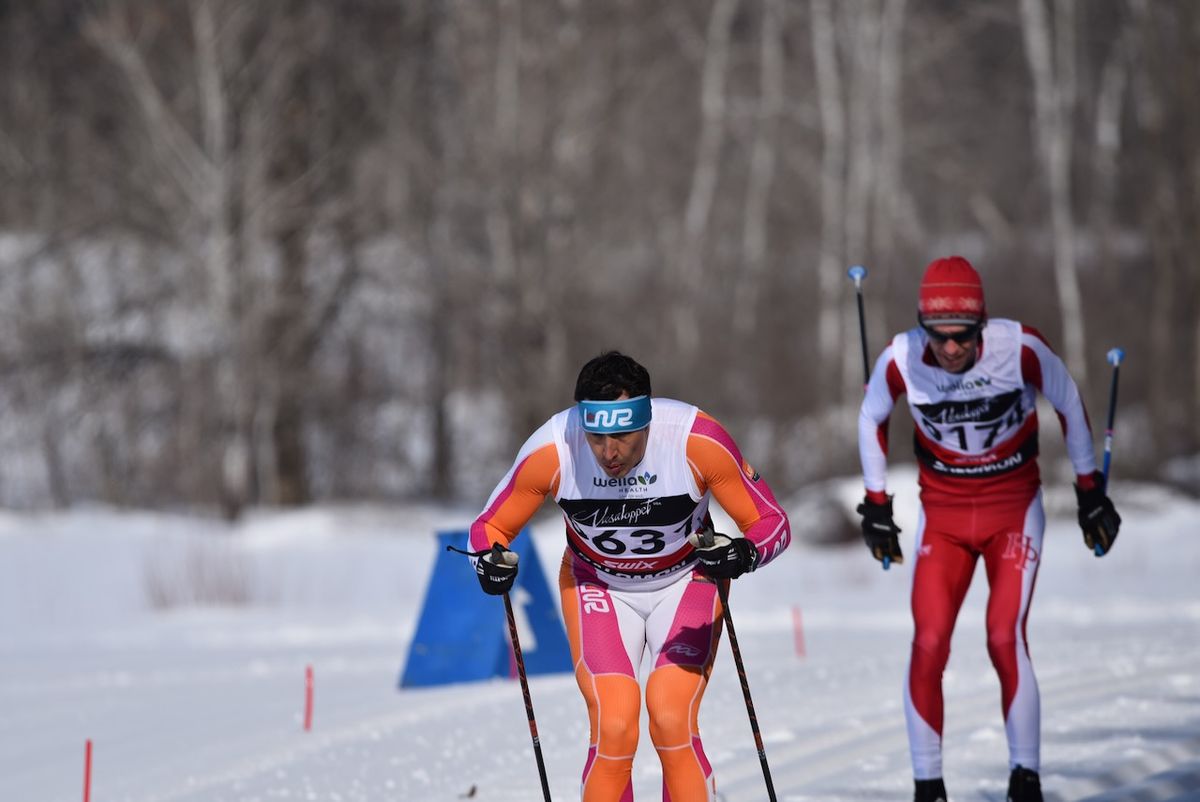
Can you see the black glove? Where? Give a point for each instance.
(497, 570)
(879, 531)
(1097, 517)
(722, 556)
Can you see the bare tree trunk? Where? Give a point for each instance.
(762, 170)
(833, 170)
(441, 479)
(232, 390)
(1194, 415)
(289, 456)
(568, 139)
(861, 194)
(504, 208)
(861, 51)
(1165, 238)
(529, 216)
(503, 216)
(56, 475)
(1165, 82)
(202, 171)
(689, 265)
(442, 146)
(890, 205)
(862, 54)
(893, 209)
(1107, 149)
(1052, 67)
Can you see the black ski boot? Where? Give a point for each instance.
(930, 791)
(1024, 786)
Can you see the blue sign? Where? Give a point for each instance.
(462, 634)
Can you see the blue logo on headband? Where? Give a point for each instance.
(614, 417)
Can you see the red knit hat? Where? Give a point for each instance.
(951, 294)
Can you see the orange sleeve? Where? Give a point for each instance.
(518, 496)
(717, 465)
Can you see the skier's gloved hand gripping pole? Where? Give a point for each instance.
(879, 530)
(722, 557)
(1097, 517)
(497, 570)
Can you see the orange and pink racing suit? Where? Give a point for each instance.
(628, 584)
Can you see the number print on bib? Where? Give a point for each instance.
(639, 541)
(973, 427)
(631, 536)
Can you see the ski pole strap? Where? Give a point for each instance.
(488, 550)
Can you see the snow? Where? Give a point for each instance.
(113, 628)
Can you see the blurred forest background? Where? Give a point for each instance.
(267, 252)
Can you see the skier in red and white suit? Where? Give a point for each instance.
(971, 385)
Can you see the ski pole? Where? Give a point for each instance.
(1115, 356)
(498, 550)
(723, 591)
(706, 537)
(858, 273)
(537, 745)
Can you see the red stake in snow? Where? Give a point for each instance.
(798, 629)
(308, 698)
(87, 770)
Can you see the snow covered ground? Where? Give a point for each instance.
(199, 702)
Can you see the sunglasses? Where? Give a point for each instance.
(963, 337)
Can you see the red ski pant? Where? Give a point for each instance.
(1007, 533)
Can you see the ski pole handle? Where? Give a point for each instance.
(857, 273)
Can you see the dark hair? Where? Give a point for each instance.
(605, 377)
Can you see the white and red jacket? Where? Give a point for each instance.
(974, 432)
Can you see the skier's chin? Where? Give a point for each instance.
(958, 365)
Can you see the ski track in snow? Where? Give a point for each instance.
(206, 706)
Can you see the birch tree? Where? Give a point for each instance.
(857, 56)
(240, 172)
(438, 146)
(1050, 50)
(689, 272)
(200, 168)
(1106, 144)
(833, 192)
(763, 158)
(896, 222)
